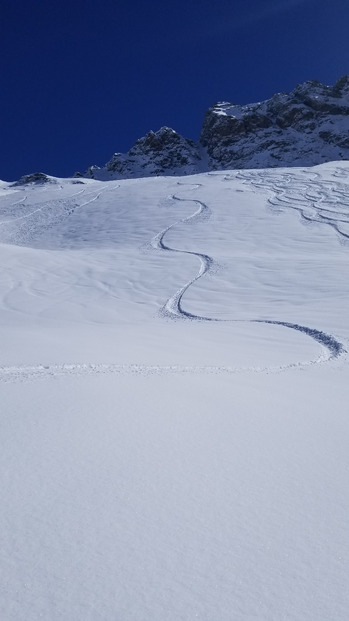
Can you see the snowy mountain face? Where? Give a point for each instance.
(156, 153)
(306, 127)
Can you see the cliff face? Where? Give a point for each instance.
(158, 153)
(308, 126)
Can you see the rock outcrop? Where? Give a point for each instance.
(37, 177)
(306, 127)
(158, 153)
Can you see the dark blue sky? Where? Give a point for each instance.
(81, 79)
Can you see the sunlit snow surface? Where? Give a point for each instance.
(174, 398)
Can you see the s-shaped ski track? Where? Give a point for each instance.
(173, 308)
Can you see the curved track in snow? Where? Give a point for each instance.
(173, 308)
(321, 202)
(173, 305)
(47, 214)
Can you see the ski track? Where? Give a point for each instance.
(66, 208)
(315, 201)
(173, 308)
(44, 217)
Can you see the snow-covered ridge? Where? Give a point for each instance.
(306, 127)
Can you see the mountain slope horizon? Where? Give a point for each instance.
(306, 127)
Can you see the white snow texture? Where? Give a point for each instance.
(174, 397)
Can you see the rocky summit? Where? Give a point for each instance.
(306, 127)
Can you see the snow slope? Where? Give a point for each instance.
(174, 389)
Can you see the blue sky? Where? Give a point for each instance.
(81, 80)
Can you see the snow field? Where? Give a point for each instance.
(164, 455)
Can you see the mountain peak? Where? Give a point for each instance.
(308, 126)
